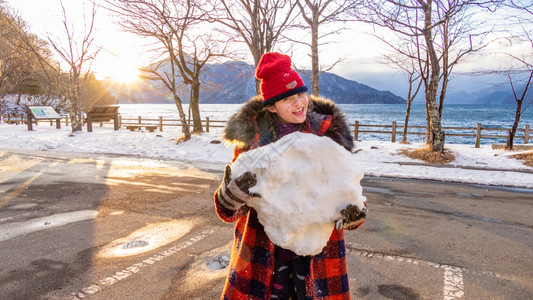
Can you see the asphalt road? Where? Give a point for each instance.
(76, 226)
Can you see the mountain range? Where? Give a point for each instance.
(463, 89)
(496, 95)
(234, 82)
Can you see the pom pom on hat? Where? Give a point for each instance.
(278, 79)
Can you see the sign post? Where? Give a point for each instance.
(42, 112)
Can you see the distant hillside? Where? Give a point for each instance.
(234, 83)
(497, 95)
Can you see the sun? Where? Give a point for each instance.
(119, 69)
(122, 72)
(126, 73)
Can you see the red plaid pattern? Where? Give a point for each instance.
(252, 258)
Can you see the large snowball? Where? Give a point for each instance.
(304, 181)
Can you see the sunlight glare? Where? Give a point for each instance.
(124, 72)
(119, 69)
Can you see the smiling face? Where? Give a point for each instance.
(292, 109)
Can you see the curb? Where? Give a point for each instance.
(461, 167)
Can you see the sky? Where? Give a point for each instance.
(376, 158)
(123, 53)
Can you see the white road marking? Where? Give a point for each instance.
(137, 267)
(453, 283)
(453, 275)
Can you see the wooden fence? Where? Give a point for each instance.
(23, 120)
(161, 122)
(475, 132)
(393, 130)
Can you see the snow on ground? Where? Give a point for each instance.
(377, 158)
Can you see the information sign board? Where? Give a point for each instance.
(42, 112)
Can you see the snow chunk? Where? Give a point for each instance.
(305, 181)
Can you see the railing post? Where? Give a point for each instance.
(160, 123)
(22, 119)
(526, 134)
(478, 135)
(116, 122)
(29, 122)
(356, 130)
(207, 124)
(139, 119)
(393, 138)
(119, 121)
(89, 122)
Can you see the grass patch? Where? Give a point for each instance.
(428, 156)
(526, 158)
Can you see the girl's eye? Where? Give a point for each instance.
(287, 99)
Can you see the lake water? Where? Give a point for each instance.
(490, 116)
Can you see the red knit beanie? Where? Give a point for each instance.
(278, 79)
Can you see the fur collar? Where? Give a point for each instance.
(241, 128)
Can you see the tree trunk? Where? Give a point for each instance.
(437, 136)
(74, 102)
(445, 66)
(75, 115)
(436, 133)
(195, 107)
(512, 132)
(428, 132)
(518, 113)
(257, 57)
(184, 125)
(406, 122)
(315, 72)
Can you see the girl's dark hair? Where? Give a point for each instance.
(271, 119)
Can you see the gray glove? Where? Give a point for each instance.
(234, 193)
(352, 217)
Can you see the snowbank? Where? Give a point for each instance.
(482, 165)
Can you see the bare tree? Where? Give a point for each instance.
(42, 76)
(27, 66)
(448, 31)
(316, 13)
(522, 74)
(13, 63)
(181, 49)
(204, 47)
(520, 98)
(257, 23)
(77, 52)
(407, 55)
(404, 60)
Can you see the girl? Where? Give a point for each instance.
(258, 268)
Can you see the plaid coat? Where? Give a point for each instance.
(252, 258)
